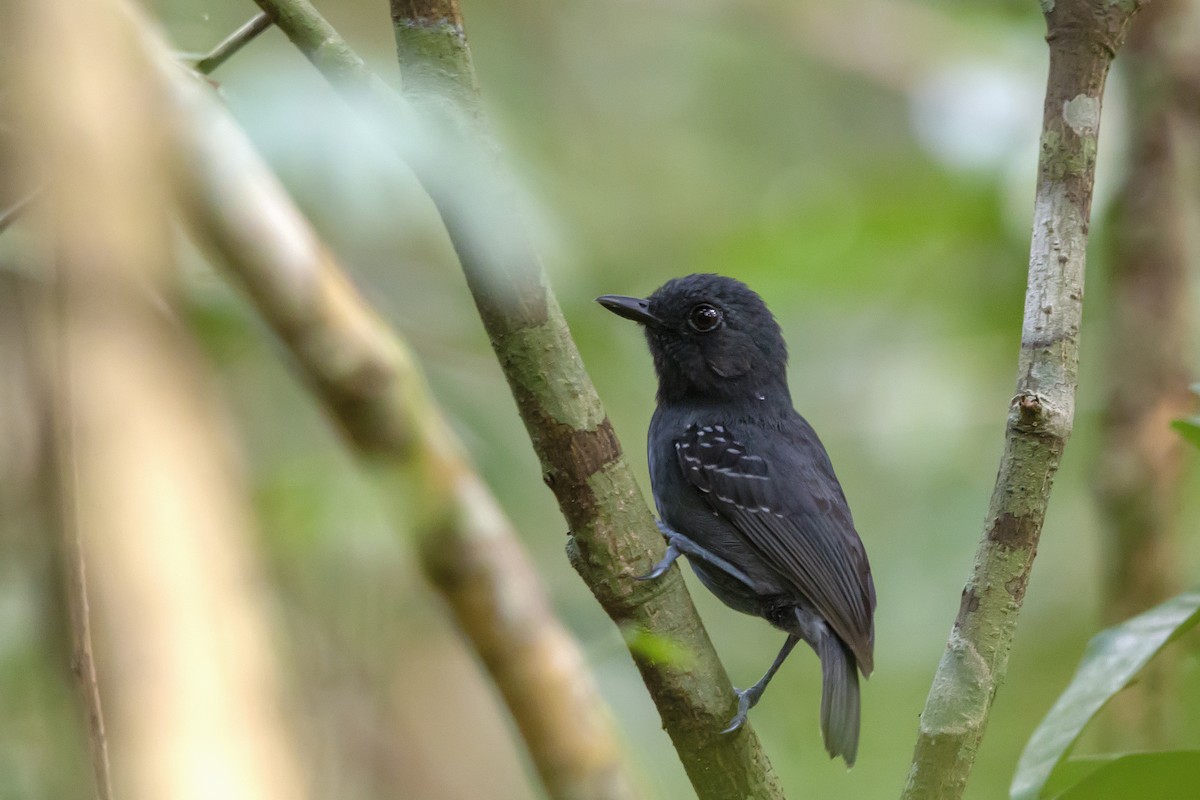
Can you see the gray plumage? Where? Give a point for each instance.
(745, 488)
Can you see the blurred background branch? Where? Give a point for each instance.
(151, 486)
(1149, 350)
(372, 387)
(229, 46)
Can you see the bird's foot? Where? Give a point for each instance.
(662, 566)
(746, 700)
(678, 544)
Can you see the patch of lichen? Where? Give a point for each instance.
(1066, 155)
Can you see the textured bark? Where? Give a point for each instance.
(371, 385)
(183, 655)
(1149, 349)
(612, 535)
(1083, 37)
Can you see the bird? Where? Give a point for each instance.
(745, 489)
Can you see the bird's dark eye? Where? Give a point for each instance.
(704, 317)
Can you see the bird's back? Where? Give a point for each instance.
(759, 491)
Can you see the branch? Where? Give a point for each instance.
(233, 43)
(203, 64)
(1083, 36)
(1148, 350)
(31, 435)
(612, 535)
(188, 674)
(83, 659)
(372, 387)
(1149, 357)
(9, 215)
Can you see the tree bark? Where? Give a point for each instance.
(1150, 344)
(370, 384)
(612, 537)
(1083, 36)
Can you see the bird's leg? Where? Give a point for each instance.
(748, 698)
(677, 545)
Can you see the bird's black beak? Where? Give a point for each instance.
(634, 308)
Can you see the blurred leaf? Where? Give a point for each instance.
(656, 648)
(1146, 776)
(1073, 770)
(1113, 658)
(1189, 429)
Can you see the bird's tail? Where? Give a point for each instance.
(839, 699)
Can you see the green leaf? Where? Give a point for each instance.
(1146, 776)
(1112, 659)
(657, 648)
(1073, 770)
(1188, 429)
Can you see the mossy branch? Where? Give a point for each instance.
(1083, 37)
(612, 535)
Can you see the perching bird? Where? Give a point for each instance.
(745, 489)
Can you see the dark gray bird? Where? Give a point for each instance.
(745, 489)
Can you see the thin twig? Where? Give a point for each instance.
(1083, 36)
(205, 65)
(233, 43)
(83, 662)
(10, 214)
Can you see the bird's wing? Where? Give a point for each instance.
(788, 507)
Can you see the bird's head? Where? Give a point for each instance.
(712, 338)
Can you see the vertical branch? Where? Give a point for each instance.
(188, 679)
(612, 535)
(29, 478)
(83, 660)
(1149, 350)
(1083, 36)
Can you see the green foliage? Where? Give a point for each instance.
(1112, 659)
(657, 648)
(1189, 428)
(1148, 776)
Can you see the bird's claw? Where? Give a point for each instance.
(661, 567)
(659, 570)
(745, 702)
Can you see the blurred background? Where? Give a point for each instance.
(867, 167)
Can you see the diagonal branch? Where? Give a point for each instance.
(372, 387)
(204, 64)
(1083, 36)
(232, 44)
(612, 535)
